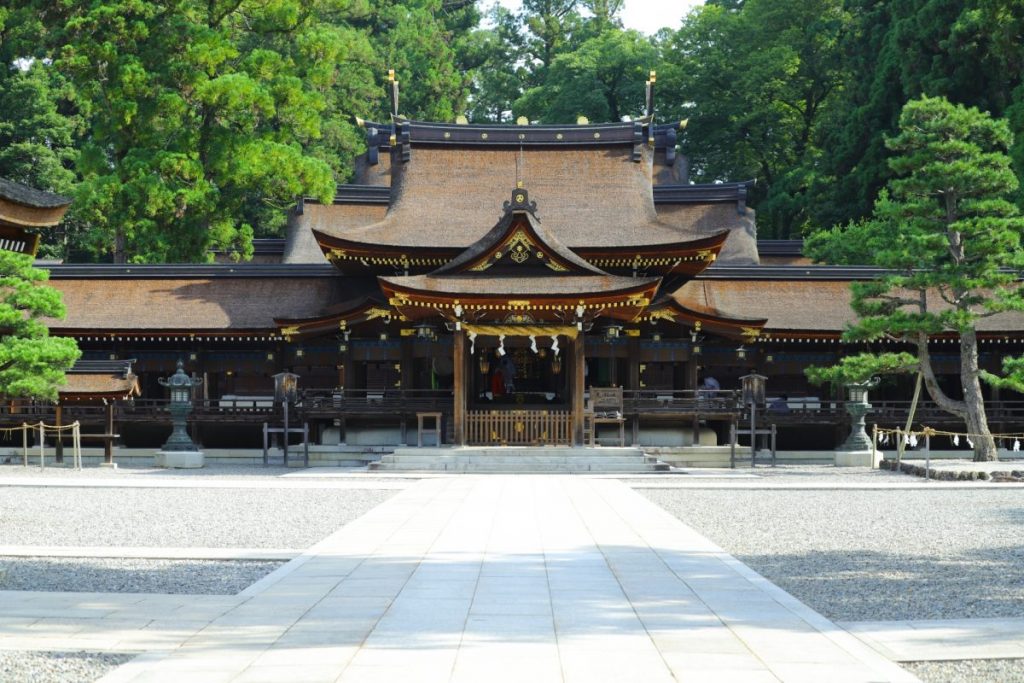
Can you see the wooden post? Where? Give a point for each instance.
(24, 443)
(108, 443)
(42, 445)
(579, 386)
(58, 447)
(459, 386)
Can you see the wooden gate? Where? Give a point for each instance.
(519, 427)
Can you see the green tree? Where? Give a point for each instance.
(968, 51)
(949, 240)
(419, 39)
(32, 363)
(603, 80)
(756, 81)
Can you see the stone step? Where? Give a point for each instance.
(495, 468)
(511, 459)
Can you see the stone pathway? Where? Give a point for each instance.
(943, 639)
(496, 578)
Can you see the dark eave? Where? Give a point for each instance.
(180, 271)
(702, 194)
(780, 247)
(797, 273)
(362, 194)
(29, 196)
(601, 134)
(84, 366)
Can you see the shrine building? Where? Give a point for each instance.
(500, 276)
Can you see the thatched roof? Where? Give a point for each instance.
(193, 305)
(301, 245)
(798, 305)
(29, 196)
(586, 196)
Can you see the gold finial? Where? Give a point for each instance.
(360, 122)
(461, 120)
(682, 124)
(519, 184)
(522, 121)
(654, 76)
(582, 120)
(391, 75)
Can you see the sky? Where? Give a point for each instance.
(646, 16)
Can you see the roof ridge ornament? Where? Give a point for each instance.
(520, 201)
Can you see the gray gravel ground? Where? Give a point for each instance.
(57, 667)
(969, 671)
(857, 555)
(107, 575)
(217, 471)
(180, 517)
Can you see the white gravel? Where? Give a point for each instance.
(108, 575)
(179, 517)
(969, 671)
(866, 555)
(57, 667)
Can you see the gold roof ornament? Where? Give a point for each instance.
(522, 121)
(582, 120)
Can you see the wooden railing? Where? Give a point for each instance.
(519, 427)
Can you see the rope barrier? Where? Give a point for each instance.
(76, 440)
(929, 431)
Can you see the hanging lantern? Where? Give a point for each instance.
(741, 353)
(485, 362)
(556, 365)
(612, 332)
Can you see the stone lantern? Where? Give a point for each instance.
(179, 450)
(753, 390)
(858, 450)
(286, 391)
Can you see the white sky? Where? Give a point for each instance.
(646, 16)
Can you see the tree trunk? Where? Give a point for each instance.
(119, 245)
(977, 421)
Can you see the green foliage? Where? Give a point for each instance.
(757, 82)
(949, 239)
(1012, 378)
(862, 367)
(32, 364)
(602, 80)
(968, 51)
(194, 124)
(944, 227)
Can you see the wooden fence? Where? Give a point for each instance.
(519, 427)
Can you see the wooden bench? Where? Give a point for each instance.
(605, 407)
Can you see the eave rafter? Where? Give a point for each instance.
(747, 329)
(338, 322)
(682, 258)
(626, 304)
(381, 258)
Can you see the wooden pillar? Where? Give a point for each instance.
(459, 387)
(633, 364)
(108, 443)
(407, 374)
(578, 387)
(59, 445)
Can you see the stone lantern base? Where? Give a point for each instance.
(858, 458)
(179, 459)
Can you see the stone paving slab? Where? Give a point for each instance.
(942, 639)
(139, 482)
(495, 578)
